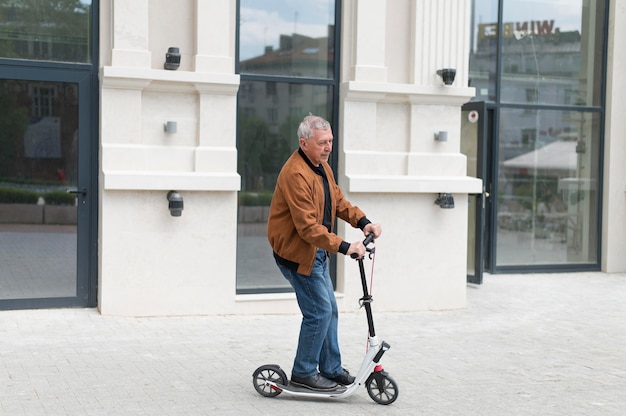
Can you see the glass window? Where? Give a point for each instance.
(46, 30)
(547, 206)
(287, 38)
(267, 137)
(534, 64)
(553, 48)
(38, 163)
(287, 64)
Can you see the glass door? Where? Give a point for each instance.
(44, 188)
(474, 133)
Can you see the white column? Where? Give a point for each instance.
(440, 30)
(614, 204)
(368, 60)
(130, 34)
(215, 25)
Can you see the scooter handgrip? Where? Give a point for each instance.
(368, 239)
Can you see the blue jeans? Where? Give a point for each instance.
(318, 344)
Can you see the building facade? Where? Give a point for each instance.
(525, 139)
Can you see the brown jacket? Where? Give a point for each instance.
(294, 226)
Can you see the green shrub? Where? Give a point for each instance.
(250, 199)
(265, 198)
(59, 198)
(18, 196)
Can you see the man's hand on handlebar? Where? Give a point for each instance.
(357, 249)
(370, 228)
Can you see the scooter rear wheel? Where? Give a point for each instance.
(381, 387)
(265, 373)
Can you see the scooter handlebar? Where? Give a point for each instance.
(368, 239)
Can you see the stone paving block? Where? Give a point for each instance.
(550, 344)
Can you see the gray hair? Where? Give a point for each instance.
(310, 123)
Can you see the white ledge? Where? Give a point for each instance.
(182, 181)
(156, 79)
(416, 94)
(414, 184)
(261, 297)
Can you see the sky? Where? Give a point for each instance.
(263, 21)
(565, 13)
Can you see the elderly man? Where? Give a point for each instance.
(305, 204)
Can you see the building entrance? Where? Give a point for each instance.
(45, 189)
(48, 154)
(540, 72)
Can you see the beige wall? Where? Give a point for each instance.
(150, 262)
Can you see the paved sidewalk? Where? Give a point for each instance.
(525, 345)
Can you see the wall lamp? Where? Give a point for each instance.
(172, 59)
(447, 75)
(441, 136)
(175, 204)
(170, 127)
(445, 201)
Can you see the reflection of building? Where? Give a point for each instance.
(297, 55)
(32, 133)
(539, 66)
(274, 102)
(547, 92)
(62, 35)
(556, 159)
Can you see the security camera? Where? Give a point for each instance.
(175, 203)
(172, 59)
(447, 75)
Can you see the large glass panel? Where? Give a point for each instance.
(269, 115)
(547, 207)
(291, 38)
(38, 164)
(483, 53)
(552, 52)
(46, 30)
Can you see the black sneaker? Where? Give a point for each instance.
(344, 378)
(315, 382)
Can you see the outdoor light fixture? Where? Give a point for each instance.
(172, 59)
(170, 127)
(447, 75)
(441, 136)
(445, 201)
(175, 203)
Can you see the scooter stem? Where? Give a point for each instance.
(366, 299)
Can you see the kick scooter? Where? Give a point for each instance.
(270, 380)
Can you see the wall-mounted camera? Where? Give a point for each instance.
(447, 75)
(172, 59)
(175, 204)
(445, 200)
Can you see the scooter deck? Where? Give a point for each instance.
(299, 389)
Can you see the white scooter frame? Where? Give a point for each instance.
(270, 380)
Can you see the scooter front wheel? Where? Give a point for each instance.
(265, 373)
(381, 387)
